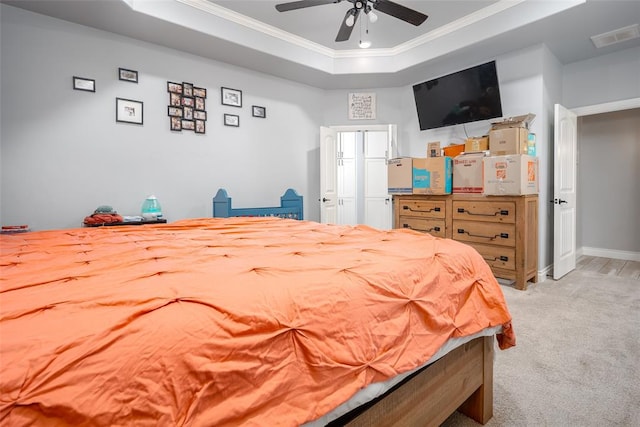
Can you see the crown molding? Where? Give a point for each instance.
(457, 25)
(255, 25)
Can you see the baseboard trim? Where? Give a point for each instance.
(545, 273)
(609, 253)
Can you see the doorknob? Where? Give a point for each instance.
(324, 199)
(558, 201)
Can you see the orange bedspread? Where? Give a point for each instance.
(239, 321)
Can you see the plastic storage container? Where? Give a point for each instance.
(151, 209)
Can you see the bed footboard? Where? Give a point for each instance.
(462, 380)
(290, 207)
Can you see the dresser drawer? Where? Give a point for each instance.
(422, 208)
(432, 226)
(484, 232)
(492, 211)
(497, 256)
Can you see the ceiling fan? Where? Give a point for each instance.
(367, 6)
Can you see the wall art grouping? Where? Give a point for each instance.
(233, 98)
(186, 108)
(187, 104)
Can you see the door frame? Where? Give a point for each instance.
(587, 110)
(392, 129)
(392, 146)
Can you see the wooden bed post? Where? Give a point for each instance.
(462, 380)
(221, 204)
(479, 406)
(291, 199)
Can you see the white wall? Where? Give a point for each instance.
(612, 77)
(608, 151)
(608, 174)
(63, 154)
(551, 95)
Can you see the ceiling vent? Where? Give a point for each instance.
(616, 36)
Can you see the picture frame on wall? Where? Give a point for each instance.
(83, 83)
(175, 99)
(231, 120)
(174, 87)
(200, 115)
(188, 124)
(232, 97)
(176, 123)
(175, 111)
(188, 102)
(187, 89)
(128, 75)
(187, 113)
(200, 126)
(129, 111)
(199, 92)
(199, 103)
(260, 112)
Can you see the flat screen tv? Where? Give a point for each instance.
(466, 96)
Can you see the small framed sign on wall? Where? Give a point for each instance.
(362, 106)
(128, 75)
(82, 83)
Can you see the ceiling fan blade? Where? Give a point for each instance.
(401, 12)
(345, 31)
(284, 7)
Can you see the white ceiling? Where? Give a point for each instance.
(299, 45)
(320, 24)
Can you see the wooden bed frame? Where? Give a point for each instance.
(461, 380)
(290, 207)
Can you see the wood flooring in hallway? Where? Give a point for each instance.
(609, 266)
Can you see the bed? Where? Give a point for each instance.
(246, 320)
(291, 206)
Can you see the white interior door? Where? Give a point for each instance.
(353, 175)
(328, 175)
(347, 178)
(564, 191)
(377, 210)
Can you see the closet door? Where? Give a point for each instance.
(328, 175)
(377, 202)
(347, 208)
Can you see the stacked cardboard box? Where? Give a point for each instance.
(476, 144)
(468, 173)
(512, 174)
(432, 175)
(510, 136)
(399, 175)
(502, 163)
(512, 168)
(419, 175)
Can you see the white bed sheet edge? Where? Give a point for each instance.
(377, 389)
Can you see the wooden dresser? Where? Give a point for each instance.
(503, 229)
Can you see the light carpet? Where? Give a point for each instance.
(577, 358)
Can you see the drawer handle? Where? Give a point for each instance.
(501, 235)
(501, 258)
(407, 208)
(421, 229)
(503, 212)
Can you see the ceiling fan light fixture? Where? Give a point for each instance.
(350, 20)
(372, 17)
